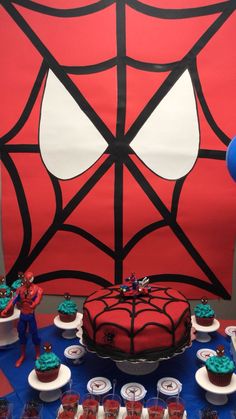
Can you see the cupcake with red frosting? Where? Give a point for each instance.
(47, 365)
(220, 368)
(204, 314)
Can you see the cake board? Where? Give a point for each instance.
(202, 332)
(8, 331)
(70, 328)
(49, 392)
(142, 367)
(215, 395)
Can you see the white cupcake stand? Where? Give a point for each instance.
(214, 394)
(8, 332)
(202, 334)
(70, 328)
(49, 392)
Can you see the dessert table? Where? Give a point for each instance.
(182, 367)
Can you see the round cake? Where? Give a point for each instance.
(142, 323)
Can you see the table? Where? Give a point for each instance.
(8, 332)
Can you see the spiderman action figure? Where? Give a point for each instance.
(27, 297)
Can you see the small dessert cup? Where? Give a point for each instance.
(134, 407)
(90, 405)
(5, 409)
(156, 408)
(32, 409)
(131, 416)
(70, 401)
(111, 405)
(176, 407)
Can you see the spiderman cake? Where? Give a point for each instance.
(136, 321)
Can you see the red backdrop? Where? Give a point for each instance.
(88, 216)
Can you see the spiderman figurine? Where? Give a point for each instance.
(27, 297)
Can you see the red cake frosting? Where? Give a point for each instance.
(148, 326)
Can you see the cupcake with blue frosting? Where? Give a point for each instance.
(4, 286)
(220, 368)
(204, 313)
(18, 282)
(4, 300)
(47, 365)
(67, 309)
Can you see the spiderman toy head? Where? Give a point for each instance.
(28, 279)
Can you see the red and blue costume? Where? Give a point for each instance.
(27, 297)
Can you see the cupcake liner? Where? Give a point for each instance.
(219, 379)
(67, 318)
(204, 321)
(48, 375)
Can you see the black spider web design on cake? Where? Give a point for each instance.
(119, 152)
(135, 306)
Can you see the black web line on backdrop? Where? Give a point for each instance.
(163, 13)
(176, 229)
(119, 156)
(196, 80)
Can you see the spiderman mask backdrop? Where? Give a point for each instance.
(115, 120)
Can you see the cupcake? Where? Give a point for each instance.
(18, 282)
(4, 300)
(204, 314)
(5, 286)
(220, 368)
(47, 365)
(67, 310)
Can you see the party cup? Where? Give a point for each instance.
(176, 407)
(156, 408)
(111, 405)
(90, 405)
(70, 400)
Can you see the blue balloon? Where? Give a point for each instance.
(231, 158)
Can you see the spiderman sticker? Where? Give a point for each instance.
(115, 120)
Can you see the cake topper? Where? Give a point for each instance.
(220, 350)
(204, 300)
(27, 297)
(135, 287)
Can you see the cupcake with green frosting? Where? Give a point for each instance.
(47, 365)
(204, 314)
(5, 286)
(67, 309)
(4, 300)
(220, 368)
(18, 282)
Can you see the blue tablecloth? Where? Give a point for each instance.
(182, 367)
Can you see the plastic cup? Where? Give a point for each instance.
(90, 405)
(176, 407)
(131, 416)
(156, 408)
(70, 401)
(134, 407)
(111, 405)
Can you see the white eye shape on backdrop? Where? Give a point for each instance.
(168, 142)
(69, 142)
